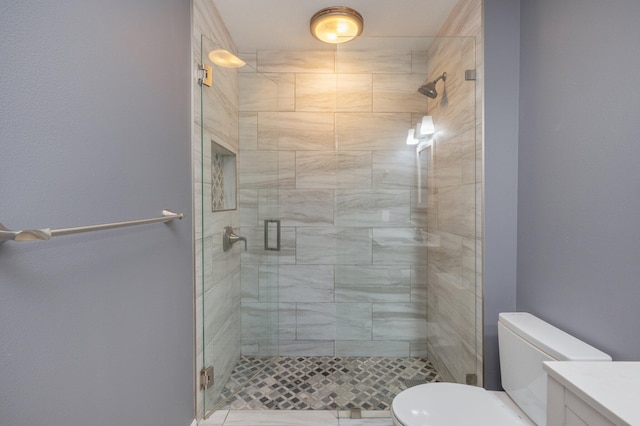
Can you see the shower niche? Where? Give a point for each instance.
(223, 178)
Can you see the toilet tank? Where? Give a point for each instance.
(525, 341)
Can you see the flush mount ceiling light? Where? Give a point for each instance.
(336, 24)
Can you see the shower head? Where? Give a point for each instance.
(429, 89)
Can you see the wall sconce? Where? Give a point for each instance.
(424, 129)
(226, 59)
(426, 126)
(411, 137)
(337, 24)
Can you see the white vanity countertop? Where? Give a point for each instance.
(612, 388)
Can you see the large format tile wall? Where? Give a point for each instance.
(328, 129)
(218, 333)
(454, 290)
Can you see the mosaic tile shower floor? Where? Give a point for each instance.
(322, 383)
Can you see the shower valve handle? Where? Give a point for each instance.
(229, 238)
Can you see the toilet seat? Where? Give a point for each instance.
(446, 404)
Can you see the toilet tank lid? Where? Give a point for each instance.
(555, 342)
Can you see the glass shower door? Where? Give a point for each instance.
(236, 307)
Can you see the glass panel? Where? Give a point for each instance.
(239, 307)
(406, 240)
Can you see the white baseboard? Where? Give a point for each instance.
(194, 422)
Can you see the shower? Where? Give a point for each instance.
(368, 291)
(429, 89)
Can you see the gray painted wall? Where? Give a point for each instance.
(579, 177)
(501, 54)
(96, 329)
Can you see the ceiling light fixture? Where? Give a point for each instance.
(336, 24)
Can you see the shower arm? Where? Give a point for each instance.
(443, 77)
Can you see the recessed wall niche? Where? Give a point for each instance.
(223, 178)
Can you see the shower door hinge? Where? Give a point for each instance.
(204, 75)
(206, 378)
(472, 379)
(470, 75)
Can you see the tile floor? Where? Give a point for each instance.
(295, 418)
(322, 383)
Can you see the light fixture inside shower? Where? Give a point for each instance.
(336, 24)
(422, 132)
(226, 59)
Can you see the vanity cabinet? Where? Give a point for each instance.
(593, 393)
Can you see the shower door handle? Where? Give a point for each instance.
(271, 243)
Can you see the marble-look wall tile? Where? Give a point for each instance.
(256, 254)
(259, 321)
(218, 304)
(214, 222)
(286, 90)
(342, 246)
(257, 93)
(353, 321)
(306, 347)
(419, 59)
(372, 293)
(316, 92)
(286, 321)
(267, 169)
(406, 246)
(355, 93)
(445, 255)
(419, 349)
(419, 284)
(248, 131)
(372, 283)
(251, 59)
(224, 263)
(268, 283)
(225, 351)
(350, 169)
(248, 206)
(456, 210)
(372, 348)
(399, 321)
(204, 260)
(316, 321)
(395, 169)
(318, 61)
(201, 154)
(469, 264)
(398, 93)
(347, 275)
(250, 283)
(306, 283)
(471, 151)
(372, 131)
(296, 131)
(372, 208)
(220, 115)
(305, 207)
(373, 61)
(447, 162)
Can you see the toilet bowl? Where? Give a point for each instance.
(453, 404)
(524, 342)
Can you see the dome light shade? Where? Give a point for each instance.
(337, 24)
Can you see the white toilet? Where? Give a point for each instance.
(525, 342)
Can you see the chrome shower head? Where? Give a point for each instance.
(429, 89)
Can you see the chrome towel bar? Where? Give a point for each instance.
(46, 233)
